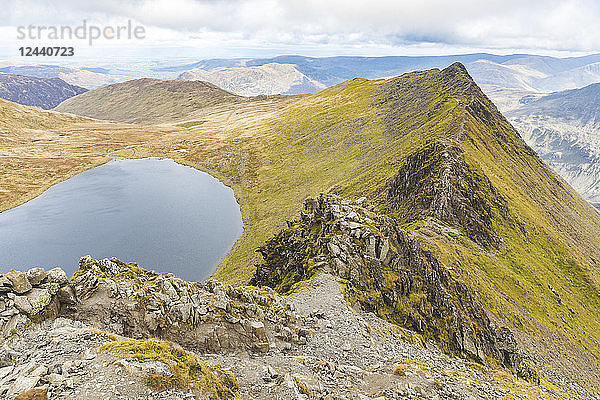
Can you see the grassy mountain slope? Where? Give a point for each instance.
(45, 93)
(148, 100)
(354, 138)
(39, 148)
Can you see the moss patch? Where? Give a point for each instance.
(188, 371)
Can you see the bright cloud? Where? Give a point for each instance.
(336, 26)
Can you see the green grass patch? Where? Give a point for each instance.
(188, 372)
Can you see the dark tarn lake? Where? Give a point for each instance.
(162, 215)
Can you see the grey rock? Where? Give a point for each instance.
(258, 329)
(22, 385)
(35, 275)
(5, 371)
(221, 301)
(55, 379)
(39, 299)
(5, 284)
(23, 305)
(66, 295)
(57, 275)
(170, 290)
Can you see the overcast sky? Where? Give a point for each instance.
(249, 28)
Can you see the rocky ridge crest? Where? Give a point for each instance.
(389, 273)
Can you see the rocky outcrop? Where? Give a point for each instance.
(206, 317)
(31, 296)
(389, 273)
(437, 182)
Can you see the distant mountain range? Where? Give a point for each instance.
(44, 93)
(299, 74)
(272, 78)
(88, 77)
(564, 129)
(517, 71)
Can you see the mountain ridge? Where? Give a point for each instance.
(531, 261)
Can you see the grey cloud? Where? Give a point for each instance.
(526, 24)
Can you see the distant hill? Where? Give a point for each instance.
(267, 79)
(582, 105)
(44, 93)
(85, 77)
(148, 100)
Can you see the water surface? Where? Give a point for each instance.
(160, 214)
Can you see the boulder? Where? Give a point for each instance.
(5, 284)
(20, 283)
(66, 295)
(39, 299)
(23, 385)
(57, 275)
(16, 323)
(35, 275)
(55, 379)
(5, 371)
(23, 305)
(258, 330)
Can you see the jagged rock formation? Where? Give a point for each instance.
(351, 354)
(437, 182)
(389, 273)
(207, 317)
(45, 93)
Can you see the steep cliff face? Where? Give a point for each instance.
(437, 182)
(563, 128)
(387, 272)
